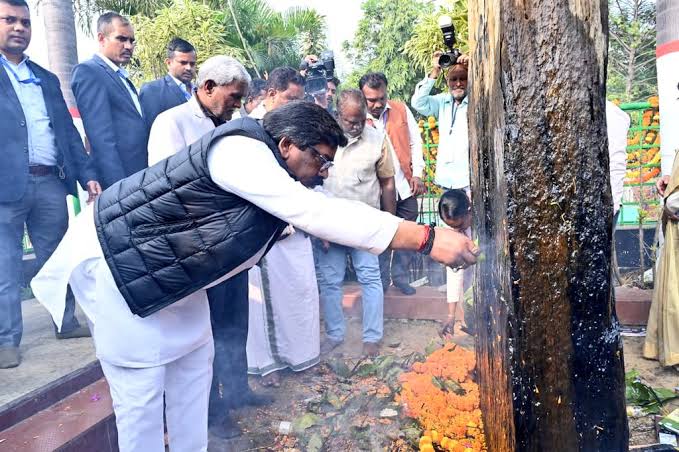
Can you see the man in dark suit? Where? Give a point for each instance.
(109, 105)
(173, 89)
(42, 158)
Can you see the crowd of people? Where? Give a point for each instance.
(206, 242)
(221, 212)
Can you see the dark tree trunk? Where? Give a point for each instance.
(549, 354)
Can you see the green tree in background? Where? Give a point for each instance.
(199, 24)
(631, 51)
(427, 37)
(378, 45)
(273, 38)
(250, 30)
(87, 10)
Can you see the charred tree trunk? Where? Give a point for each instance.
(549, 354)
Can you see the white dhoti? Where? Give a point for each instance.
(284, 323)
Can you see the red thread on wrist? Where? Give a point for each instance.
(423, 243)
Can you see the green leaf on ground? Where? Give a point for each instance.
(640, 394)
(304, 422)
(339, 367)
(315, 443)
(431, 347)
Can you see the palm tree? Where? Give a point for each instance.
(272, 38)
(268, 37)
(62, 50)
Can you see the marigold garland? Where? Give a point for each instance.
(440, 394)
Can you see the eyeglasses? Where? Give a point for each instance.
(11, 20)
(326, 163)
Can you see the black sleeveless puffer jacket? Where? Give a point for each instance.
(169, 230)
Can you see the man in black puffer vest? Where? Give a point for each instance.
(199, 217)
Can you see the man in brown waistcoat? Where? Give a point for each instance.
(394, 118)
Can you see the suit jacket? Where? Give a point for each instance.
(177, 128)
(158, 96)
(71, 157)
(117, 133)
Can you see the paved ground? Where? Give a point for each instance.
(45, 359)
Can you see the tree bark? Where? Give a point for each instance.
(631, 59)
(62, 49)
(549, 354)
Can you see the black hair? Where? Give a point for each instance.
(453, 204)
(334, 80)
(281, 77)
(16, 3)
(179, 45)
(374, 80)
(305, 124)
(106, 19)
(256, 86)
(351, 96)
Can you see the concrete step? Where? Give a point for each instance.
(82, 421)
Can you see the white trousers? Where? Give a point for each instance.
(137, 395)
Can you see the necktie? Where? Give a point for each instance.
(185, 91)
(122, 73)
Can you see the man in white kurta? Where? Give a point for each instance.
(170, 351)
(171, 132)
(284, 316)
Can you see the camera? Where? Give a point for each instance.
(449, 58)
(318, 73)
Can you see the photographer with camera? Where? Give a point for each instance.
(450, 109)
(452, 161)
(319, 74)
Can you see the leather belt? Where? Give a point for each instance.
(42, 170)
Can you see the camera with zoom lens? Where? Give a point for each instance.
(449, 58)
(319, 73)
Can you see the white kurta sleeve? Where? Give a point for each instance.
(165, 138)
(617, 123)
(247, 168)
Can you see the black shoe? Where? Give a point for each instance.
(251, 398)
(225, 428)
(406, 289)
(81, 331)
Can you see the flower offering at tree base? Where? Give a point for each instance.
(440, 394)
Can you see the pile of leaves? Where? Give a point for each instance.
(441, 395)
(639, 394)
(353, 408)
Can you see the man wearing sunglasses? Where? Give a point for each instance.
(363, 171)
